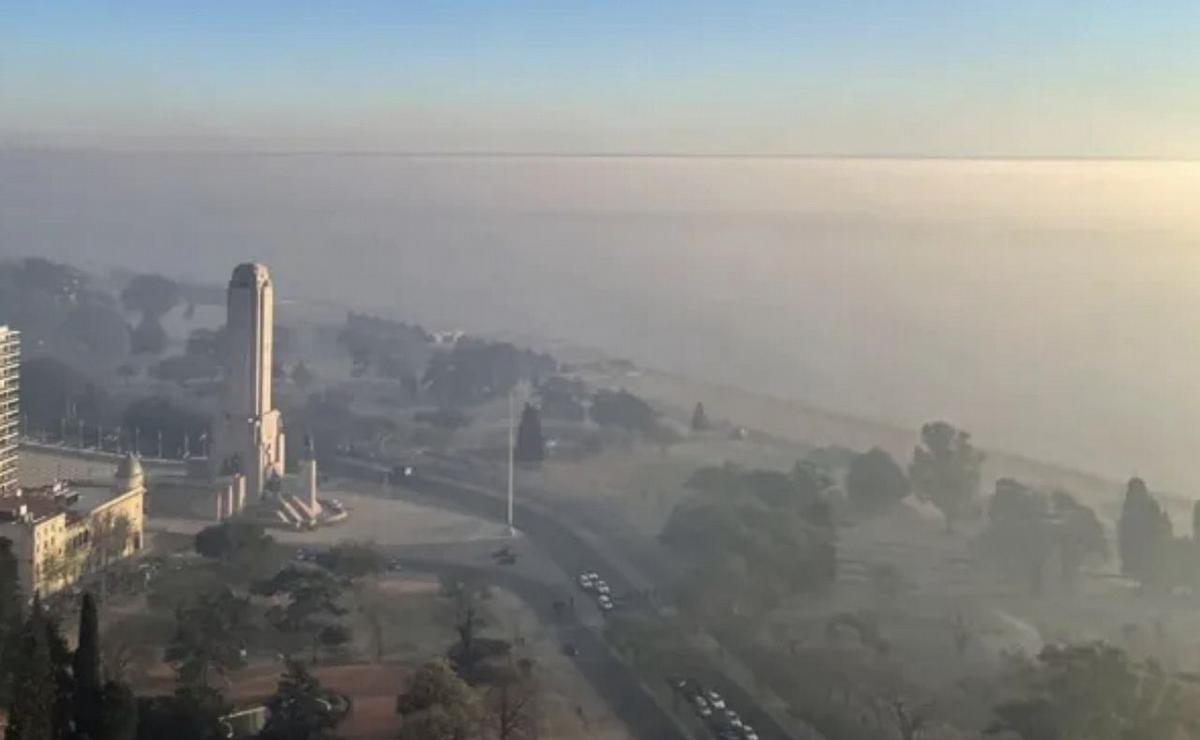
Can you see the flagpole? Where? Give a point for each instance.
(511, 459)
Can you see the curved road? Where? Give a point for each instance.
(611, 677)
(574, 553)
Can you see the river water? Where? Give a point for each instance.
(1052, 307)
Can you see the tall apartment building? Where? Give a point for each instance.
(10, 411)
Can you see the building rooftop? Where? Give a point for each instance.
(249, 274)
(37, 506)
(73, 498)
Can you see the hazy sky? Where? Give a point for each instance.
(1013, 77)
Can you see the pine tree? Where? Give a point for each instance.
(10, 616)
(1143, 535)
(31, 712)
(531, 445)
(301, 708)
(86, 668)
(699, 418)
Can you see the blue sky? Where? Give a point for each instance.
(1012, 78)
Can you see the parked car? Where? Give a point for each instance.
(605, 603)
(603, 588)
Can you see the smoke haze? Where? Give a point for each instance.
(1048, 306)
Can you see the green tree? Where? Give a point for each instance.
(753, 538)
(150, 295)
(699, 418)
(119, 718)
(1018, 537)
(353, 560)
(875, 481)
(301, 708)
(85, 666)
(438, 705)
(1143, 536)
(148, 337)
(531, 445)
(10, 616)
(312, 603)
(623, 409)
(188, 714)
(1079, 536)
(1028, 529)
(471, 655)
(946, 470)
(243, 548)
(32, 709)
(1093, 692)
(206, 643)
(511, 703)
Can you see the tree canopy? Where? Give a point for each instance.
(946, 470)
(352, 560)
(301, 708)
(52, 390)
(752, 538)
(438, 705)
(475, 371)
(875, 481)
(1028, 529)
(312, 603)
(531, 445)
(622, 409)
(1143, 535)
(1094, 692)
(206, 644)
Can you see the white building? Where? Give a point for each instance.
(248, 435)
(10, 362)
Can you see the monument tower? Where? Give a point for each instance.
(248, 434)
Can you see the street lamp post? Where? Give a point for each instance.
(511, 457)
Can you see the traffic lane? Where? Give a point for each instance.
(576, 554)
(572, 552)
(608, 675)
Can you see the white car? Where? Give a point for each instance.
(585, 581)
(605, 603)
(602, 587)
(715, 699)
(748, 732)
(702, 707)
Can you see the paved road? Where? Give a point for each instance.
(575, 553)
(611, 677)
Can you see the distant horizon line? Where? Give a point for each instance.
(500, 154)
